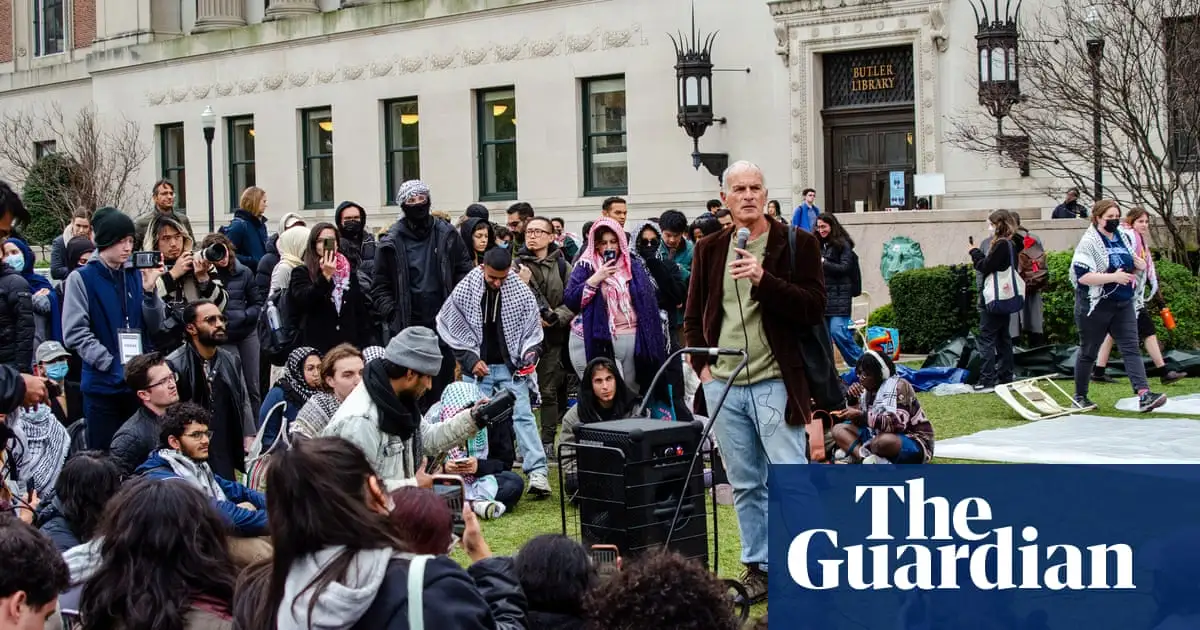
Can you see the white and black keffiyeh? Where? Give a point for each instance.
(45, 442)
(1092, 254)
(460, 321)
(194, 472)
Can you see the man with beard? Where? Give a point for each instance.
(417, 264)
(491, 322)
(211, 377)
(381, 416)
(164, 206)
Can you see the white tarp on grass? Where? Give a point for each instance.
(1188, 405)
(1082, 440)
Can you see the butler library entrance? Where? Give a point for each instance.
(869, 122)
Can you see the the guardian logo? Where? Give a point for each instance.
(983, 556)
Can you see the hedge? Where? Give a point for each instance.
(46, 199)
(936, 304)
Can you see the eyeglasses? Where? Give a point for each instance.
(536, 232)
(199, 435)
(162, 381)
(214, 319)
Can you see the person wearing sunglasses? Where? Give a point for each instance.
(211, 376)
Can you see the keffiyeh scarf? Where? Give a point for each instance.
(295, 388)
(460, 321)
(616, 287)
(340, 280)
(197, 473)
(315, 415)
(455, 398)
(46, 443)
(1092, 254)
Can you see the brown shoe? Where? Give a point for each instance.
(754, 581)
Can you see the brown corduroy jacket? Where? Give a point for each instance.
(788, 301)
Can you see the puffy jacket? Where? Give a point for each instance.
(229, 403)
(244, 300)
(17, 326)
(53, 523)
(248, 234)
(486, 595)
(135, 440)
(838, 267)
(244, 522)
(390, 289)
(548, 280)
(262, 272)
(357, 420)
(323, 326)
(12, 389)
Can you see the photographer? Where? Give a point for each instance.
(242, 308)
(188, 278)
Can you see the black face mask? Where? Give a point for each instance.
(352, 228)
(417, 213)
(1111, 225)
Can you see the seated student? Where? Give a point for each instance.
(888, 424)
(556, 574)
(660, 590)
(485, 461)
(184, 455)
(301, 381)
(603, 395)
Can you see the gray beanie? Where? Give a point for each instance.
(416, 348)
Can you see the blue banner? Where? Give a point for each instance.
(991, 547)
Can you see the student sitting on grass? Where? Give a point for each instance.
(888, 424)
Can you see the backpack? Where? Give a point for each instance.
(1032, 265)
(77, 437)
(855, 276)
(277, 346)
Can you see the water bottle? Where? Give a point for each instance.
(1168, 318)
(273, 318)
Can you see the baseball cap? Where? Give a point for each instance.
(50, 351)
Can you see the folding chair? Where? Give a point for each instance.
(860, 315)
(1029, 400)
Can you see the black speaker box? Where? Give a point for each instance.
(631, 475)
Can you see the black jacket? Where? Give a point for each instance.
(244, 300)
(838, 266)
(359, 251)
(390, 290)
(16, 320)
(12, 389)
(502, 439)
(262, 275)
(323, 327)
(538, 620)
(59, 268)
(486, 595)
(135, 440)
(228, 402)
(997, 259)
(53, 523)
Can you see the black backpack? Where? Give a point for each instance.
(277, 345)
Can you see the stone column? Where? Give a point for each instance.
(215, 15)
(283, 9)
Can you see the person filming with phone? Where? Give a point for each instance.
(333, 307)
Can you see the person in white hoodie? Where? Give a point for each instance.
(382, 418)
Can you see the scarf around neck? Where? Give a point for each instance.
(397, 416)
(616, 288)
(1092, 254)
(340, 280)
(1147, 277)
(199, 474)
(295, 389)
(46, 444)
(456, 397)
(460, 321)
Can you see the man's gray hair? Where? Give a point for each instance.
(737, 167)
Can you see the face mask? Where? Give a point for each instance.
(352, 227)
(16, 261)
(417, 213)
(57, 371)
(502, 245)
(1110, 226)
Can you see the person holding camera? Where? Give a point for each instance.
(108, 313)
(245, 302)
(332, 306)
(545, 269)
(188, 278)
(381, 416)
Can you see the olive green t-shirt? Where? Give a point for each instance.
(751, 337)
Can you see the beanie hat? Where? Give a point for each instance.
(415, 348)
(110, 226)
(477, 211)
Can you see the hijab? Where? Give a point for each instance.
(77, 247)
(590, 409)
(292, 244)
(295, 388)
(616, 287)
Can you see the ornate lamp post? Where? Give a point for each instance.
(999, 72)
(208, 120)
(1095, 48)
(693, 75)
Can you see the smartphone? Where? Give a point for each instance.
(607, 560)
(328, 240)
(610, 256)
(450, 488)
(147, 260)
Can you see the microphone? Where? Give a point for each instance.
(743, 235)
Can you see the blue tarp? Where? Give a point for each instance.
(923, 379)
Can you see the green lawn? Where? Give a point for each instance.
(951, 416)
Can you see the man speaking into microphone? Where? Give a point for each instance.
(745, 294)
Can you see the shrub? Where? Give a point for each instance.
(47, 197)
(884, 316)
(933, 305)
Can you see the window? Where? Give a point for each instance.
(170, 157)
(403, 138)
(317, 129)
(241, 157)
(1183, 122)
(48, 31)
(606, 159)
(497, 115)
(44, 148)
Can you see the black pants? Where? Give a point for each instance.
(104, 415)
(509, 488)
(996, 349)
(1108, 318)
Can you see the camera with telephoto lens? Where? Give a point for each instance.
(147, 260)
(214, 253)
(497, 409)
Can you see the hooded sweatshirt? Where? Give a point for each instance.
(343, 602)
(177, 293)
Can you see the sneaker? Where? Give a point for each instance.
(487, 510)
(983, 389)
(754, 580)
(1150, 401)
(539, 486)
(874, 459)
(1083, 402)
(724, 494)
(1172, 376)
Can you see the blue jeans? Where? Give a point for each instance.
(751, 434)
(509, 488)
(843, 338)
(529, 439)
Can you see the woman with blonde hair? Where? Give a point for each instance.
(995, 344)
(248, 229)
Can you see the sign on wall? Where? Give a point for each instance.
(876, 76)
